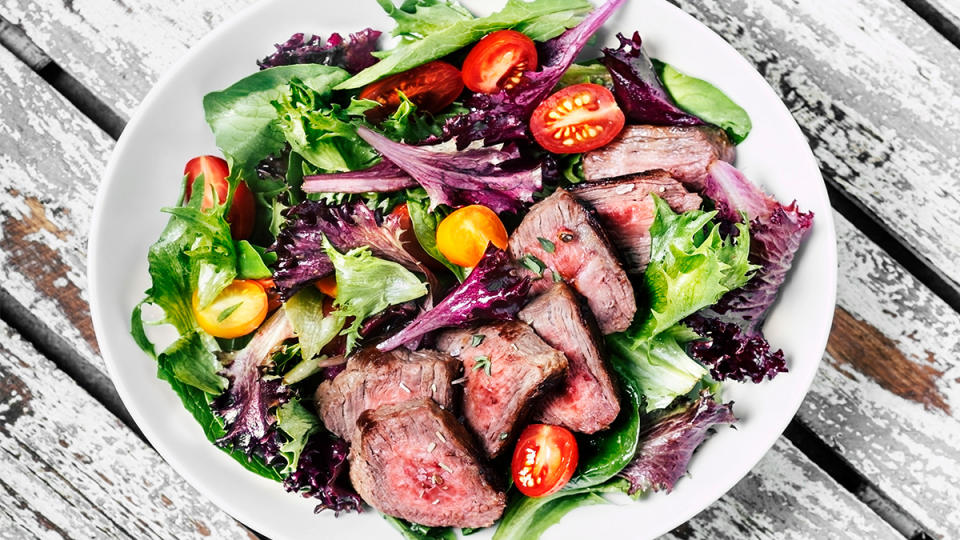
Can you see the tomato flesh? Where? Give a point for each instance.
(215, 189)
(464, 235)
(578, 118)
(238, 310)
(498, 61)
(544, 459)
(430, 87)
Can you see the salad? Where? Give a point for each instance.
(472, 279)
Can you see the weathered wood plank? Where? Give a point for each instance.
(785, 496)
(887, 394)
(871, 83)
(70, 469)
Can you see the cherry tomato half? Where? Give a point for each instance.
(238, 310)
(430, 87)
(215, 172)
(327, 285)
(498, 61)
(463, 236)
(576, 119)
(544, 459)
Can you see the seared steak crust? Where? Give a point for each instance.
(625, 209)
(373, 379)
(586, 400)
(413, 460)
(506, 370)
(684, 152)
(562, 234)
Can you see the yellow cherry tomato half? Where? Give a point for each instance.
(463, 236)
(327, 285)
(238, 310)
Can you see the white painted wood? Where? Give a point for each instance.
(70, 469)
(786, 497)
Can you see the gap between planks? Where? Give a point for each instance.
(14, 39)
(942, 15)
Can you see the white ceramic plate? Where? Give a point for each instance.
(144, 175)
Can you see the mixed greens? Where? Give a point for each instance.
(350, 188)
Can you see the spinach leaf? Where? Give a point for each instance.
(425, 228)
(243, 118)
(426, 40)
(604, 454)
(527, 518)
(415, 531)
(250, 262)
(702, 99)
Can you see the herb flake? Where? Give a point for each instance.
(476, 340)
(547, 245)
(228, 311)
(533, 264)
(484, 363)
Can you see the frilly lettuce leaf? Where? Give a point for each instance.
(298, 424)
(313, 329)
(367, 285)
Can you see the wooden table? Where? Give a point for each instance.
(874, 452)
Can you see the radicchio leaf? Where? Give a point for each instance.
(493, 291)
(248, 406)
(731, 353)
(775, 235)
(476, 176)
(667, 444)
(353, 54)
(503, 116)
(321, 474)
(381, 178)
(638, 88)
(300, 255)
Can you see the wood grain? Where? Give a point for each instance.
(70, 469)
(804, 504)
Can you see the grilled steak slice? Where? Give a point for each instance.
(413, 460)
(586, 400)
(373, 379)
(625, 209)
(683, 151)
(505, 370)
(559, 232)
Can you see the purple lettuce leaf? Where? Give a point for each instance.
(667, 444)
(299, 246)
(353, 54)
(494, 290)
(776, 232)
(382, 177)
(730, 353)
(638, 88)
(248, 406)
(322, 474)
(486, 176)
(503, 116)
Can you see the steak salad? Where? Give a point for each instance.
(471, 279)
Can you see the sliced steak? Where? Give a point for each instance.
(559, 232)
(586, 400)
(625, 209)
(506, 370)
(373, 379)
(414, 461)
(683, 151)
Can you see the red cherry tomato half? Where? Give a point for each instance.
(498, 61)
(577, 119)
(215, 171)
(430, 87)
(544, 459)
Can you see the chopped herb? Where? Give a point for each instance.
(556, 277)
(476, 340)
(547, 245)
(227, 312)
(504, 435)
(534, 264)
(483, 362)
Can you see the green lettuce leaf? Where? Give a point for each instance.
(691, 266)
(250, 261)
(305, 311)
(243, 118)
(527, 518)
(702, 99)
(593, 72)
(427, 39)
(416, 531)
(367, 285)
(297, 423)
(425, 225)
